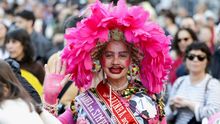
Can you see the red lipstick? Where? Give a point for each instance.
(114, 70)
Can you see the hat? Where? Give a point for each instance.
(147, 36)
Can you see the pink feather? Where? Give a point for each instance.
(133, 21)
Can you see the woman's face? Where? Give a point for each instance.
(15, 49)
(196, 61)
(116, 60)
(184, 40)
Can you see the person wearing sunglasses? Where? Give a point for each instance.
(182, 39)
(195, 96)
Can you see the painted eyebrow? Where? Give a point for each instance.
(124, 52)
(119, 52)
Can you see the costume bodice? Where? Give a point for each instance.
(144, 107)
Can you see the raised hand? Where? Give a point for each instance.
(54, 81)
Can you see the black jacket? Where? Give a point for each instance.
(16, 69)
(215, 64)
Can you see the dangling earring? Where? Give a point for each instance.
(96, 66)
(103, 76)
(133, 72)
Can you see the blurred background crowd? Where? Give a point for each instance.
(50, 18)
(31, 31)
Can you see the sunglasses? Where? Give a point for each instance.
(199, 57)
(184, 39)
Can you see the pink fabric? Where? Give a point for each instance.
(133, 21)
(164, 121)
(67, 117)
(156, 121)
(214, 119)
(52, 88)
(82, 120)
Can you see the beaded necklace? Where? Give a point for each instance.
(127, 93)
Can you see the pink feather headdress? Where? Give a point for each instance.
(148, 36)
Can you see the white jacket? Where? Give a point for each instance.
(16, 111)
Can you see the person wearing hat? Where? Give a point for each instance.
(123, 56)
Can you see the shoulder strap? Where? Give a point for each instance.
(32, 79)
(206, 86)
(178, 86)
(206, 89)
(63, 91)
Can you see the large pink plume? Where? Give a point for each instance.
(133, 21)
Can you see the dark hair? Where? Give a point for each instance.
(71, 22)
(27, 86)
(175, 42)
(8, 78)
(9, 11)
(14, 88)
(200, 46)
(26, 14)
(22, 36)
(169, 15)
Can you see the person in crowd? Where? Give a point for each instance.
(3, 29)
(211, 19)
(170, 25)
(188, 22)
(183, 38)
(195, 96)
(17, 107)
(25, 20)
(20, 48)
(58, 39)
(16, 69)
(181, 13)
(188, 5)
(205, 35)
(101, 51)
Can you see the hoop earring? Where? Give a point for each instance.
(96, 66)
